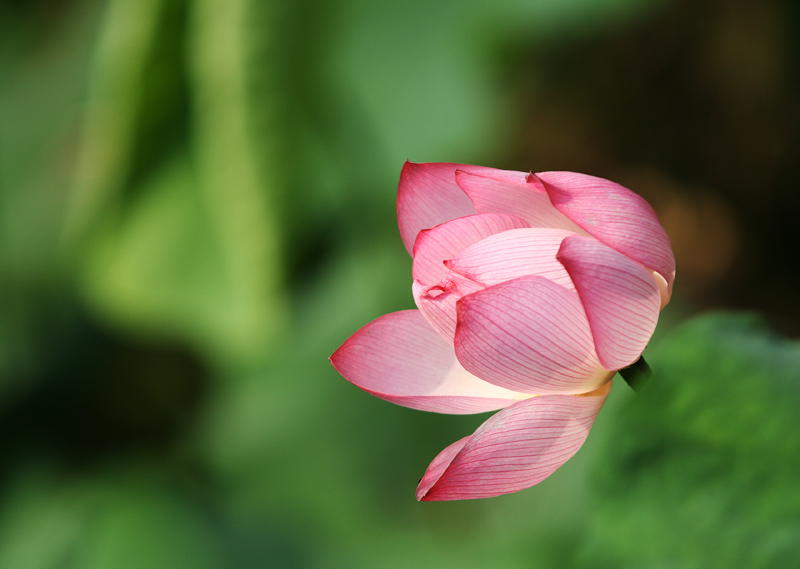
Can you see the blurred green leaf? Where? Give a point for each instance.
(117, 521)
(126, 39)
(173, 224)
(700, 470)
(42, 83)
(159, 268)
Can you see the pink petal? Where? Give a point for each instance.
(428, 195)
(528, 201)
(512, 254)
(445, 241)
(529, 335)
(438, 302)
(615, 215)
(516, 448)
(400, 358)
(621, 298)
(439, 465)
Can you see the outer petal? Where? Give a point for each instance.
(528, 335)
(528, 201)
(428, 195)
(445, 241)
(513, 254)
(615, 215)
(400, 358)
(621, 298)
(516, 448)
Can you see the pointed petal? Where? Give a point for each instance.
(428, 195)
(529, 335)
(400, 358)
(438, 302)
(615, 215)
(439, 465)
(621, 298)
(528, 200)
(514, 449)
(512, 254)
(445, 241)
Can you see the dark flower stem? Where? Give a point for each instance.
(637, 374)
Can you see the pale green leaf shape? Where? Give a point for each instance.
(158, 268)
(187, 247)
(701, 468)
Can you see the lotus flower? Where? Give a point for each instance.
(532, 291)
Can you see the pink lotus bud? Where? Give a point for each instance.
(532, 291)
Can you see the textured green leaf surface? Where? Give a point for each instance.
(701, 470)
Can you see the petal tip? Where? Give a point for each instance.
(335, 355)
(461, 177)
(427, 489)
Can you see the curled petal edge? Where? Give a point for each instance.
(614, 215)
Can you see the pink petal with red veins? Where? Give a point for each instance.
(514, 254)
(445, 241)
(615, 215)
(438, 302)
(428, 195)
(439, 465)
(621, 298)
(400, 358)
(529, 335)
(528, 201)
(516, 448)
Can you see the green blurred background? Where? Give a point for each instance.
(197, 208)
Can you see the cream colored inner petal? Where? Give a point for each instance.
(601, 391)
(663, 287)
(459, 381)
